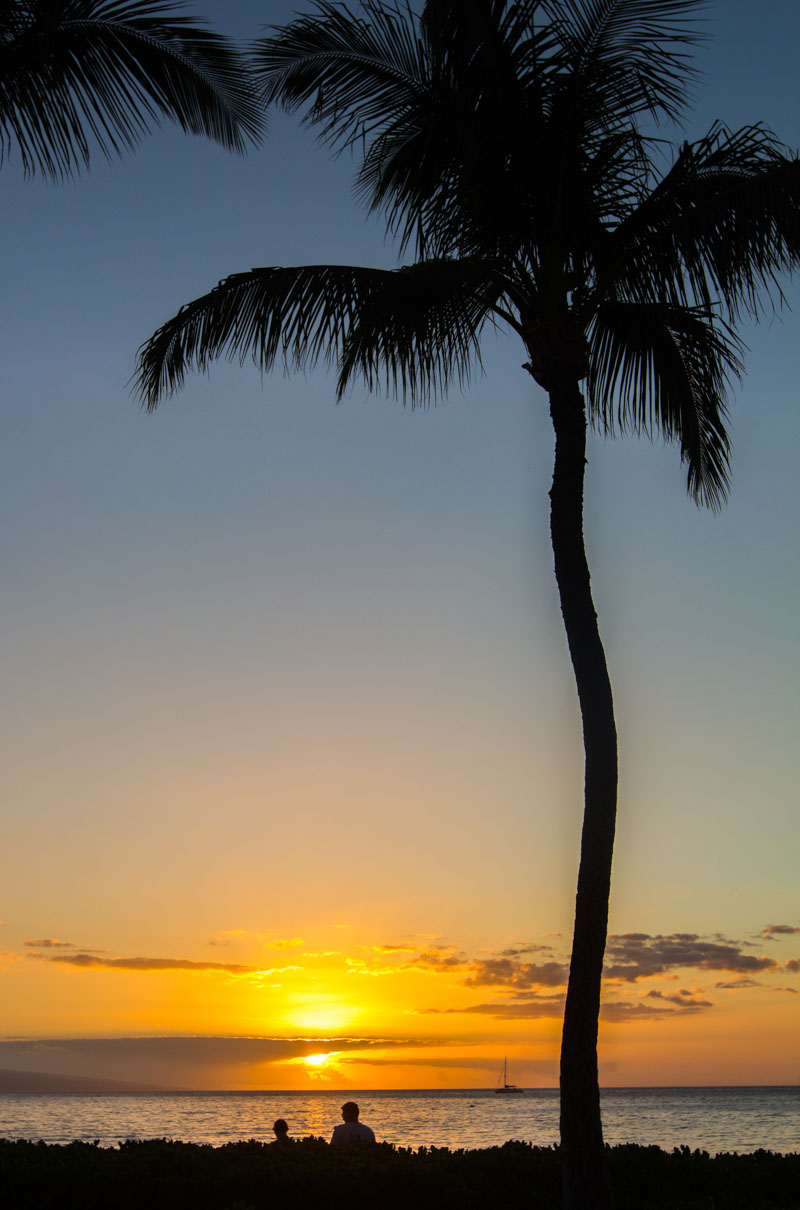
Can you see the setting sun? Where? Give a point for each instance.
(320, 1060)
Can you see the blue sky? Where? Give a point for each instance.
(270, 658)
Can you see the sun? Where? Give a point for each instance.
(318, 1061)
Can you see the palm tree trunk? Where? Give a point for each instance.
(586, 1181)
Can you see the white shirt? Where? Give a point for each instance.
(351, 1132)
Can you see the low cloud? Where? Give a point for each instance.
(684, 999)
(620, 1011)
(182, 1062)
(735, 985)
(458, 1064)
(780, 930)
(284, 943)
(510, 1010)
(526, 947)
(638, 955)
(506, 972)
(791, 990)
(50, 943)
(442, 958)
(391, 949)
(94, 961)
(792, 964)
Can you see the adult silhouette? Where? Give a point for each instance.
(351, 1130)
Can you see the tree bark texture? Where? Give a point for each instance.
(586, 1181)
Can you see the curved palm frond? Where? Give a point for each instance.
(414, 328)
(422, 329)
(95, 75)
(353, 73)
(626, 58)
(659, 368)
(724, 223)
(367, 82)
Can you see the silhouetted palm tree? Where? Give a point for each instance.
(80, 76)
(506, 144)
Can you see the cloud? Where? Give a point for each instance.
(518, 1009)
(526, 947)
(684, 999)
(440, 959)
(50, 943)
(638, 955)
(459, 1064)
(391, 949)
(791, 990)
(284, 943)
(735, 984)
(780, 930)
(617, 1011)
(182, 1062)
(505, 972)
(93, 961)
(793, 964)
(502, 971)
(7, 957)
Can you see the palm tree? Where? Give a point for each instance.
(506, 143)
(81, 76)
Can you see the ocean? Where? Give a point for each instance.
(711, 1119)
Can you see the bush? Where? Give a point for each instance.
(162, 1175)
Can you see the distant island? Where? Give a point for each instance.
(42, 1081)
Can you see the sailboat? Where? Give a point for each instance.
(503, 1084)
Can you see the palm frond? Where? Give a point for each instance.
(658, 368)
(83, 76)
(724, 223)
(422, 329)
(365, 82)
(414, 328)
(353, 73)
(627, 58)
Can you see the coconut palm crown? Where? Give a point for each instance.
(511, 147)
(79, 77)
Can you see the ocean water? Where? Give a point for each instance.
(711, 1119)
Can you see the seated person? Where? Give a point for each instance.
(351, 1131)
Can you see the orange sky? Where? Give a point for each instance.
(350, 1010)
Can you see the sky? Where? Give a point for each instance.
(291, 765)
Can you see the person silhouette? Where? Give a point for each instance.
(351, 1130)
(281, 1131)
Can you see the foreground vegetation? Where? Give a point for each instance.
(254, 1176)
